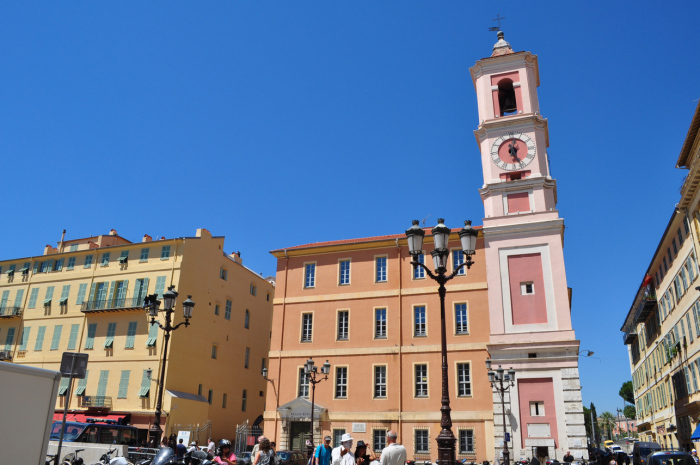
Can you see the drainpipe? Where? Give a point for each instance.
(398, 250)
(279, 363)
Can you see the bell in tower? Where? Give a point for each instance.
(506, 97)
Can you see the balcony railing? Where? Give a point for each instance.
(10, 312)
(630, 337)
(645, 302)
(98, 401)
(112, 304)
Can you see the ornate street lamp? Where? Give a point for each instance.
(152, 305)
(311, 372)
(441, 236)
(497, 379)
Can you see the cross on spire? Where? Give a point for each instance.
(497, 28)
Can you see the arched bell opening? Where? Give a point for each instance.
(506, 97)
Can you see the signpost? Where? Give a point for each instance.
(73, 365)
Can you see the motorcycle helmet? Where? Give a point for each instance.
(224, 443)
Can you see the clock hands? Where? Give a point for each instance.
(513, 150)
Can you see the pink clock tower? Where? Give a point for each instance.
(529, 301)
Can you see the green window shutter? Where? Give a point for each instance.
(145, 385)
(71, 263)
(40, 338)
(59, 264)
(63, 387)
(73, 338)
(152, 335)
(160, 286)
(165, 252)
(81, 294)
(49, 265)
(90, 340)
(36, 267)
(48, 296)
(110, 296)
(19, 297)
(92, 292)
(3, 301)
(64, 294)
(102, 385)
(10, 339)
(82, 384)
(131, 334)
(121, 293)
(32, 297)
(57, 330)
(137, 291)
(109, 341)
(25, 338)
(123, 384)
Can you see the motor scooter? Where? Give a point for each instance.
(106, 459)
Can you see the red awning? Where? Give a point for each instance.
(82, 418)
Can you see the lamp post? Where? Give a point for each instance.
(310, 372)
(497, 378)
(441, 236)
(152, 304)
(277, 399)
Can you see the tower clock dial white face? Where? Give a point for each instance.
(513, 151)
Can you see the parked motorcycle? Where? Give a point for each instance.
(106, 459)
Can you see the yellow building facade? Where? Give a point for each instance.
(87, 295)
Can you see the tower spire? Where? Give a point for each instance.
(501, 47)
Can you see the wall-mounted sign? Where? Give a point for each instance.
(359, 427)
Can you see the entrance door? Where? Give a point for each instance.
(542, 454)
(299, 434)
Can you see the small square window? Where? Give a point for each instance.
(537, 409)
(253, 290)
(213, 352)
(527, 288)
(223, 273)
(105, 259)
(144, 255)
(165, 254)
(88, 261)
(216, 309)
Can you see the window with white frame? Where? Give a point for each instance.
(527, 288)
(380, 269)
(380, 323)
(310, 275)
(458, 259)
(464, 383)
(461, 326)
(341, 382)
(337, 435)
(421, 380)
(253, 290)
(343, 325)
(344, 272)
(303, 384)
(378, 439)
(537, 409)
(419, 317)
(422, 441)
(306, 327)
(380, 381)
(223, 273)
(418, 272)
(466, 441)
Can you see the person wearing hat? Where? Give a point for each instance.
(694, 454)
(322, 456)
(361, 455)
(341, 455)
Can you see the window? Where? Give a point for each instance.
(105, 259)
(210, 397)
(124, 257)
(19, 296)
(458, 259)
(464, 384)
(675, 248)
(165, 254)
(380, 269)
(73, 337)
(343, 323)
(253, 290)
(73, 247)
(71, 263)
(466, 441)
(379, 439)
(90, 339)
(10, 338)
(216, 309)
(344, 272)
(310, 275)
(223, 402)
(82, 288)
(421, 388)
(244, 400)
(537, 409)
(58, 265)
(145, 385)
(144, 255)
(527, 288)
(123, 384)
(341, 382)
(102, 384)
(40, 338)
(418, 272)
(56, 339)
(109, 340)
(380, 323)
(199, 390)
(160, 286)
(227, 311)
(303, 384)
(246, 324)
(306, 327)
(25, 338)
(65, 291)
(337, 435)
(422, 441)
(213, 352)
(419, 321)
(268, 296)
(131, 334)
(223, 273)
(152, 335)
(33, 297)
(247, 357)
(461, 319)
(88, 261)
(380, 381)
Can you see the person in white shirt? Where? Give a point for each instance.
(341, 455)
(211, 447)
(192, 448)
(393, 453)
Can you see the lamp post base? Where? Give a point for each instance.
(446, 447)
(154, 435)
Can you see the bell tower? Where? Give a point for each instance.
(529, 300)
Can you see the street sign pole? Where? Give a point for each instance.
(73, 359)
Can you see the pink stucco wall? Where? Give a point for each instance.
(518, 202)
(537, 390)
(527, 309)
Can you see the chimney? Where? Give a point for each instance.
(112, 232)
(146, 238)
(63, 237)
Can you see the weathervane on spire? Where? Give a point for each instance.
(497, 28)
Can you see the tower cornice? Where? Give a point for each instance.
(515, 123)
(505, 62)
(501, 186)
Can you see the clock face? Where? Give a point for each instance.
(513, 151)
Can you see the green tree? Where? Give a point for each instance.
(627, 392)
(608, 422)
(630, 411)
(596, 427)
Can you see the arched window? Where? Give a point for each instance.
(247, 319)
(506, 97)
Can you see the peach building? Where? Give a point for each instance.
(360, 305)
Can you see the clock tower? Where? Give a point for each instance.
(529, 301)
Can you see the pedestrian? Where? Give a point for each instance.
(172, 441)
(342, 455)
(164, 442)
(612, 461)
(211, 447)
(256, 447)
(323, 452)
(273, 445)
(393, 453)
(180, 449)
(265, 453)
(363, 454)
(192, 448)
(694, 454)
(568, 458)
(225, 454)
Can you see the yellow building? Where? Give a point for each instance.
(87, 295)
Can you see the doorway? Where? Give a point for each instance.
(299, 433)
(542, 453)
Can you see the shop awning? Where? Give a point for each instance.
(81, 417)
(696, 434)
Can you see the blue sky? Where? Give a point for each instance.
(281, 123)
